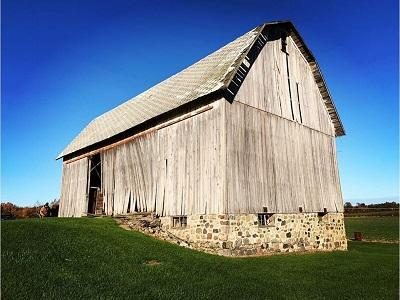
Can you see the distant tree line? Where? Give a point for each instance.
(11, 211)
(362, 209)
(380, 205)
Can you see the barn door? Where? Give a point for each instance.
(95, 196)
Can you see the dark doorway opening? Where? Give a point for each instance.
(95, 203)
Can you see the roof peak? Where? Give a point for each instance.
(213, 73)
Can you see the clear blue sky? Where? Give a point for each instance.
(66, 62)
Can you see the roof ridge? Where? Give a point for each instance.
(204, 77)
(239, 61)
(219, 70)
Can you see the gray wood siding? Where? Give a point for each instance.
(73, 200)
(278, 164)
(176, 170)
(269, 148)
(266, 87)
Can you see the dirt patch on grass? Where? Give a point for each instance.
(124, 226)
(377, 241)
(152, 262)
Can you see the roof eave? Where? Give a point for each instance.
(319, 79)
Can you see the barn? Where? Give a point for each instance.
(235, 154)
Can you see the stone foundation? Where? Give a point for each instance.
(238, 235)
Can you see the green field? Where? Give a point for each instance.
(374, 228)
(94, 258)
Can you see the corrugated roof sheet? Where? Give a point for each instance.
(200, 79)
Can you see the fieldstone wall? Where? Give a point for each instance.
(239, 235)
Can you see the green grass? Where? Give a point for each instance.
(94, 258)
(374, 228)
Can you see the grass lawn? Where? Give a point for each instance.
(373, 228)
(94, 258)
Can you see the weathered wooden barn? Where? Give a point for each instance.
(235, 153)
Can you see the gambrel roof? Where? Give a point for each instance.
(213, 73)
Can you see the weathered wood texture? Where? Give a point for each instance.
(278, 164)
(73, 200)
(280, 139)
(173, 171)
(266, 87)
(273, 147)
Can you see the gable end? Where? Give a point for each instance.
(272, 32)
